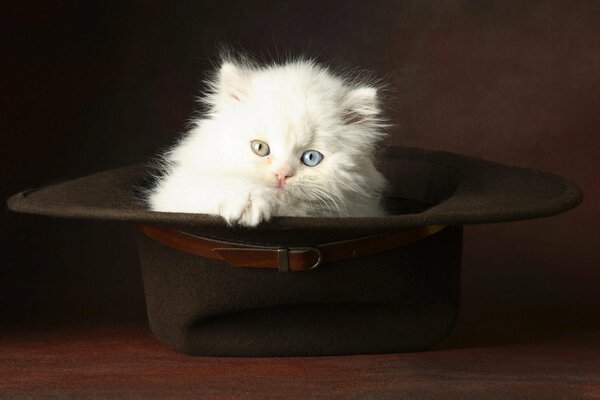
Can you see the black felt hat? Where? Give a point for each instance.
(400, 295)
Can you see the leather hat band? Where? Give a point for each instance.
(285, 259)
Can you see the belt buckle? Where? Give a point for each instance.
(283, 255)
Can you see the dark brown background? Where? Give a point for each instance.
(90, 86)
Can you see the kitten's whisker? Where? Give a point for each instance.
(333, 198)
(324, 199)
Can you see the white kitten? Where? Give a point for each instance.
(290, 139)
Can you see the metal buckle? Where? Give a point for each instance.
(284, 257)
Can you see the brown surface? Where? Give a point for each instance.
(488, 357)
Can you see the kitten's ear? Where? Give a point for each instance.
(361, 105)
(233, 81)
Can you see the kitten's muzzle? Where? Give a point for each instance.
(281, 179)
(283, 173)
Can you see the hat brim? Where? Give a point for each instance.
(459, 190)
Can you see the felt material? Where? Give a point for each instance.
(461, 190)
(406, 299)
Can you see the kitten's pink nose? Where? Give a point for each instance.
(282, 174)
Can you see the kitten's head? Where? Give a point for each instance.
(298, 128)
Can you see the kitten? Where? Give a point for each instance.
(279, 140)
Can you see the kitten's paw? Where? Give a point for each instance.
(249, 210)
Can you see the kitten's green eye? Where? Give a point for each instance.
(260, 148)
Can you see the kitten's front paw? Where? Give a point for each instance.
(249, 210)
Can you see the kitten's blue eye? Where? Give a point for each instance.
(311, 158)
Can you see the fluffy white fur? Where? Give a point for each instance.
(292, 107)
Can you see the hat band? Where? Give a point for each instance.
(285, 259)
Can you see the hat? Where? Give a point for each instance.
(313, 286)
